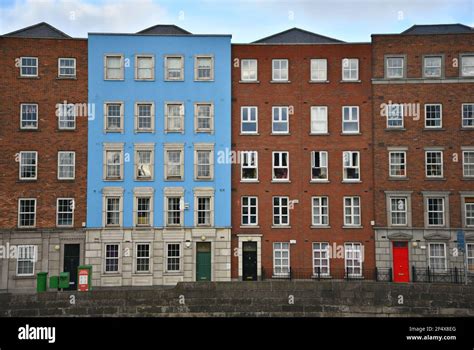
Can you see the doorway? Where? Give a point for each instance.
(72, 255)
(401, 272)
(203, 261)
(249, 261)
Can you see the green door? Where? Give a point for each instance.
(203, 261)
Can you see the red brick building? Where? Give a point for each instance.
(44, 153)
(423, 105)
(301, 130)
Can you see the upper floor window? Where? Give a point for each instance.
(174, 162)
(280, 70)
(468, 115)
(174, 117)
(114, 117)
(66, 67)
(29, 116)
(350, 69)
(144, 117)
(352, 211)
(319, 69)
(350, 119)
(144, 162)
(434, 163)
(143, 210)
(249, 211)
(468, 163)
(397, 164)
(435, 211)
(433, 116)
(114, 67)
(320, 211)
(204, 210)
(28, 165)
(204, 117)
(281, 211)
(66, 165)
(432, 66)
(65, 212)
(249, 120)
(319, 166)
(395, 67)
(249, 166)
(394, 116)
(66, 117)
(204, 68)
(319, 120)
(281, 169)
(114, 165)
(174, 211)
(26, 212)
(174, 68)
(204, 161)
(467, 65)
(144, 67)
(113, 210)
(398, 211)
(350, 161)
(280, 124)
(248, 71)
(29, 66)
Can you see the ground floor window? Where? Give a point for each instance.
(26, 257)
(321, 259)
(173, 257)
(437, 256)
(353, 259)
(143, 257)
(111, 257)
(281, 259)
(470, 257)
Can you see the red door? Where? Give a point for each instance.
(400, 262)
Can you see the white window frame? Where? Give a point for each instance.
(465, 120)
(196, 68)
(395, 116)
(137, 68)
(66, 67)
(466, 217)
(206, 193)
(350, 219)
(280, 119)
(180, 210)
(431, 256)
(249, 156)
(113, 148)
(168, 69)
(249, 73)
(137, 106)
(320, 210)
(283, 270)
(31, 257)
(249, 208)
(65, 112)
(73, 165)
(142, 193)
(352, 119)
(434, 164)
(21, 165)
(346, 168)
(470, 257)
(174, 148)
(464, 163)
(403, 212)
(71, 212)
(346, 67)
(106, 258)
(35, 66)
(401, 164)
(425, 66)
(180, 117)
(389, 68)
(280, 207)
(249, 110)
(280, 70)
(208, 148)
(461, 70)
(323, 249)
(443, 211)
(316, 69)
(121, 68)
(107, 127)
(280, 161)
(147, 258)
(179, 257)
(25, 105)
(144, 147)
(319, 115)
(323, 158)
(20, 212)
(354, 255)
(440, 116)
(112, 192)
(197, 117)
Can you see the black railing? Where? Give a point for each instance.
(430, 275)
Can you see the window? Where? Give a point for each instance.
(468, 163)
(65, 212)
(432, 66)
(144, 117)
(143, 257)
(319, 166)
(144, 67)
(467, 65)
(397, 164)
(249, 120)
(281, 169)
(26, 212)
(321, 259)
(174, 211)
(66, 67)
(469, 211)
(470, 256)
(350, 119)
(433, 116)
(249, 211)
(174, 68)
(352, 211)
(204, 68)
(29, 116)
(281, 259)
(114, 117)
(353, 259)
(281, 211)
(113, 211)
(203, 211)
(398, 211)
(437, 256)
(350, 69)
(468, 115)
(174, 117)
(319, 120)
(112, 257)
(143, 211)
(204, 162)
(249, 70)
(395, 67)
(144, 169)
(66, 116)
(204, 114)
(114, 68)
(114, 165)
(320, 211)
(29, 67)
(280, 70)
(66, 165)
(319, 69)
(25, 263)
(173, 257)
(435, 211)
(174, 162)
(434, 163)
(249, 166)
(351, 166)
(394, 116)
(28, 165)
(280, 123)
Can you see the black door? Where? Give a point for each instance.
(249, 261)
(72, 253)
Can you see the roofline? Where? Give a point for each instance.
(37, 24)
(285, 31)
(38, 38)
(280, 44)
(172, 35)
(421, 34)
(430, 25)
(163, 25)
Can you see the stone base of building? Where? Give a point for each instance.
(196, 254)
(55, 251)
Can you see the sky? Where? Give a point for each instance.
(246, 20)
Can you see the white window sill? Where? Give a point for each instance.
(281, 181)
(320, 226)
(249, 81)
(249, 134)
(249, 181)
(351, 181)
(281, 226)
(355, 226)
(319, 181)
(318, 81)
(280, 81)
(319, 133)
(350, 133)
(249, 226)
(350, 81)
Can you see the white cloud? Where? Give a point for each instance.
(77, 18)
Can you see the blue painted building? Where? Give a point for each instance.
(158, 200)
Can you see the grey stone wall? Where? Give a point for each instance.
(269, 298)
